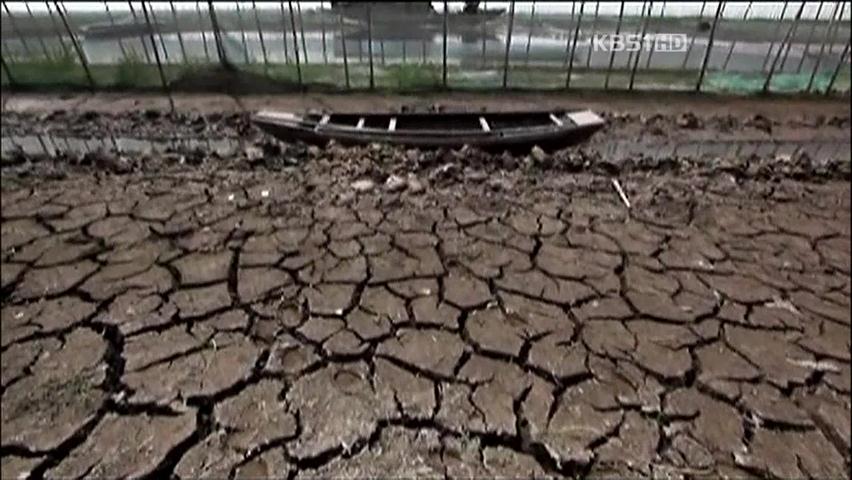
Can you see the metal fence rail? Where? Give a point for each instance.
(779, 47)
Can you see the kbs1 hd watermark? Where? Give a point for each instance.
(634, 42)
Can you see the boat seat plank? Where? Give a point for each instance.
(484, 123)
(556, 120)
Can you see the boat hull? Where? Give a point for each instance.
(289, 127)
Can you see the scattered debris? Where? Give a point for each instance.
(500, 182)
(621, 193)
(688, 120)
(760, 122)
(820, 366)
(253, 153)
(415, 186)
(538, 154)
(395, 183)
(445, 171)
(364, 185)
(783, 304)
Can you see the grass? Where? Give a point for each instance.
(64, 72)
(130, 71)
(59, 69)
(409, 77)
(780, 83)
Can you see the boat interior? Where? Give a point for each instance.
(440, 121)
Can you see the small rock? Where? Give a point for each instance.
(412, 156)
(508, 161)
(761, 123)
(446, 170)
(475, 176)
(253, 153)
(838, 121)
(345, 198)
(414, 184)
(109, 161)
(395, 183)
(688, 120)
(538, 154)
(363, 185)
(314, 151)
(500, 183)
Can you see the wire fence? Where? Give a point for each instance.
(701, 46)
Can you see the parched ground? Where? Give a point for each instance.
(311, 321)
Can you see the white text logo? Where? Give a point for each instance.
(633, 42)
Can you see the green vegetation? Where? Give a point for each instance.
(59, 69)
(133, 73)
(130, 72)
(410, 77)
(781, 82)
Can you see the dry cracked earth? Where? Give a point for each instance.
(242, 324)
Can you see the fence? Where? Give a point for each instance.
(707, 46)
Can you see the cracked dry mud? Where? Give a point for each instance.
(183, 325)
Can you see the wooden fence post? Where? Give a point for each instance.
(692, 40)
(284, 33)
(295, 42)
(530, 32)
(40, 39)
(810, 37)
(612, 54)
(112, 22)
(709, 50)
(836, 70)
(243, 34)
(260, 34)
(825, 39)
(12, 82)
(177, 29)
(508, 45)
(574, 46)
(17, 32)
(217, 37)
(734, 42)
(202, 27)
(444, 48)
(76, 45)
(141, 37)
(56, 29)
(343, 46)
(644, 30)
(370, 44)
(787, 38)
(772, 41)
(157, 57)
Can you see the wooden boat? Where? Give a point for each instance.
(489, 131)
